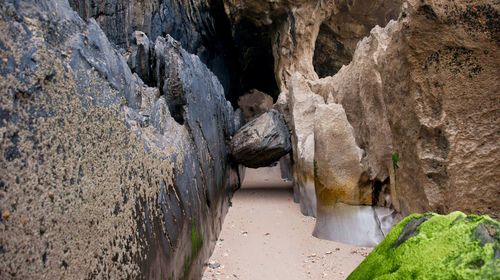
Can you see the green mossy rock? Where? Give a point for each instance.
(432, 246)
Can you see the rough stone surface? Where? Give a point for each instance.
(433, 104)
(262, 141)
(455, 246)
(98, 180)
(200, 26)
(139, 58)
(360, 88)
(446, 125)
(254, 103)
(349, 23)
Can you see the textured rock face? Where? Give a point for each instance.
(254, 104)
(342, 186)
(359, 88)
(262, 141)
(139, 58)
(98, 179)
(448, 133)
(340, 33)
(200, 26)
(338, 174)
(431, 103)
(436, 247)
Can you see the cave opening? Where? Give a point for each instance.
(329, 52)
(255, 58)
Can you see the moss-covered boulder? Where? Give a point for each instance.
(432, 246)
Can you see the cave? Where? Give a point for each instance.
(330, 54)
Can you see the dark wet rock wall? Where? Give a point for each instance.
(98, 180)
(201, 27)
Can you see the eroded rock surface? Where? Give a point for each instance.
(200, 27)
(338, 174)
(429, 103)
(262, 141)
(419, 94)
(98, 179)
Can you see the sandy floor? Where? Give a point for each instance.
(266, 237)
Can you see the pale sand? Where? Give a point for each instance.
(265, 236)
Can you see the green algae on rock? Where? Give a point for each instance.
(432, 246)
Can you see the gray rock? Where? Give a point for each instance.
(197, 25)
(139, 59)
(262, 141)
(101, 152)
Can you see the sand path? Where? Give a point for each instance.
(265, 236)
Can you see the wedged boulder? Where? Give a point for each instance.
(262, 141)
(431, 246)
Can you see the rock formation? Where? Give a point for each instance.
(418, 94)
(115, 122)
(103, 176)
(254, 103)
(338, 174)
(262, 141)
(411, 99)
(302, 107)
(200, 26)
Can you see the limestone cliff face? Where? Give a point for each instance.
(447, 128)
(423, 87)
(101, 177)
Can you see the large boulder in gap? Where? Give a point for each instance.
(431, 246)
(254, 103)
(98, 180)
(262, 141)
(302, 107)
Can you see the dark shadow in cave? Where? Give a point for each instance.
(255, 58)
(329, 53)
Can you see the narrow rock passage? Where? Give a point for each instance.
(265, 236)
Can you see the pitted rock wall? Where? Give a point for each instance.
(97, 178)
